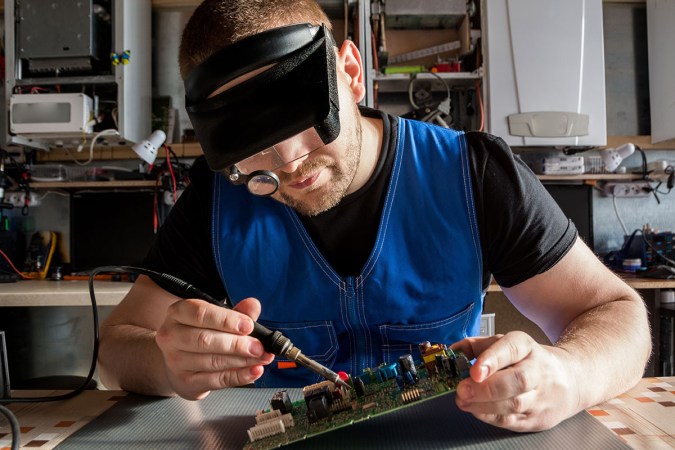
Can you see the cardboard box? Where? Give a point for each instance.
(400, 41)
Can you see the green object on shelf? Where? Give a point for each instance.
(389, 70)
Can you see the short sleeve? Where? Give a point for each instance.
(183, 245)
(523, 230)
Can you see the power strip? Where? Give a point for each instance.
(18, 198)
(627, 189)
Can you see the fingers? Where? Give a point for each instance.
(204, 340)
(504, 352)
(495, 352)
(200, 314)
(474, 346)
(515, 383)
(207, 347)
(503, 391)
(196, 385)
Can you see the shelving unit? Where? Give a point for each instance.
(77, 79)
(399, 82)
(386, 84)
(118, 184)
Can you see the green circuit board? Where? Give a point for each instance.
(380, 396)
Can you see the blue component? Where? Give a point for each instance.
(366, 377)
(399, 382)
(388, 372)
(409, 378)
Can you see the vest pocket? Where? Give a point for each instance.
(316, 340)
(398, 340)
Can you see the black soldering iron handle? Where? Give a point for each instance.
(273, 341)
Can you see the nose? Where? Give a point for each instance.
(293, 150)
(293, 165)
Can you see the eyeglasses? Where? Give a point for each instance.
(257, 171)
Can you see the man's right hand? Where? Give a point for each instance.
(206, 347)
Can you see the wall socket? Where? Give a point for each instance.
(17, 199)
(627, 189)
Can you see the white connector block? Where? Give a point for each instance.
(627, 189)
(18, 199)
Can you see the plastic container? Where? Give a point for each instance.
(631, 265)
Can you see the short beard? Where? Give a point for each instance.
(340, 180)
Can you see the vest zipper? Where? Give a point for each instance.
(359, 364)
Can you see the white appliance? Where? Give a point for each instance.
(50, 113)
(545, 74)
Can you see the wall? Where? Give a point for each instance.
(627, 112)
(627, 89)
(635, 212)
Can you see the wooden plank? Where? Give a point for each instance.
(189, 150)
(644, 142)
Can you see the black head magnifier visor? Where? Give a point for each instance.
(275, 117)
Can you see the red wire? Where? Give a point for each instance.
(155, 219)
(480, 104)
(13, 267)
(173, 176)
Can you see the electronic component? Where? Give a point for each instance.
(282, 402)
(325, 406)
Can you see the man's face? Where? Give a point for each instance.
(318, 181)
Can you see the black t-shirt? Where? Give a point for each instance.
(523, 232)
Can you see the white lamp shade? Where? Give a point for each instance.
(147, 148)
(612, 157)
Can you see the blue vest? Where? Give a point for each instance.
(422, 281)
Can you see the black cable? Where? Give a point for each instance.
(94, 357)
(172, 284)
(645, 173)
(574, 150)
(14, 426)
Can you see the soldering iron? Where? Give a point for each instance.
(273, 341)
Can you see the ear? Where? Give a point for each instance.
(349, 59)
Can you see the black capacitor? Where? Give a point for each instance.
(463, 366)
(408, 366)
(317, 408)
(282, 402)
(454, 371)
(359, 386)
(439, 363)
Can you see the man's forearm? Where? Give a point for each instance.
(129, 359)
(608, 347)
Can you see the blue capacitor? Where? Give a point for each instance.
(400, 382)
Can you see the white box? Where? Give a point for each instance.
(487, 324)
(545, 72)
(50, 113)
(559, 165)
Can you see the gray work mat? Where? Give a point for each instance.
(220, 422)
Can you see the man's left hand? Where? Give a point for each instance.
(516, 383)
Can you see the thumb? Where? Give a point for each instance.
(249, 306)
(472, 347)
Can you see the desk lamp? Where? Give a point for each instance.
(147, 148)
(612, 157)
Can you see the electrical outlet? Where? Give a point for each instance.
(18, 198)
(627, 189)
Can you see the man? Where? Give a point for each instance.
(365, 235)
